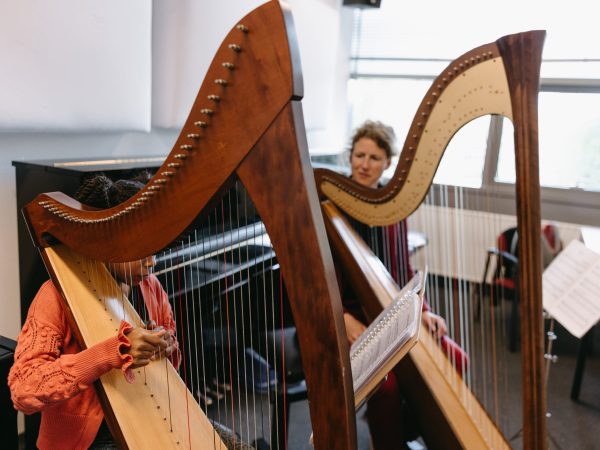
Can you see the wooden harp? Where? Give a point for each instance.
(500, 78)
(245, 126)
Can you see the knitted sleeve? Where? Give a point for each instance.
(43, 374)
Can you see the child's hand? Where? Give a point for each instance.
(168, 338)
(145, 345)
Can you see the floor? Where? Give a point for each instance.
(572, 425)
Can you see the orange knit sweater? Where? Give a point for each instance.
(53, 375)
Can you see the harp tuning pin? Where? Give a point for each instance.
(167, 173)
(180, 156)
(228, 65)
(186, 147)
(214, 98)
(220, 82)
(242, 27)
(207, 111)
(235, 48)
(154, 188)
(160, 181)
(201, 124)
(174, 165)
(194, 136)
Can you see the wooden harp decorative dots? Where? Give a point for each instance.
(245, 120)
(499, 78)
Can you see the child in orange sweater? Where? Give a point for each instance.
(53, 375)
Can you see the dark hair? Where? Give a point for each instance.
(101, 192)
(383, 135)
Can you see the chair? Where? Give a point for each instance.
(289, 386)
(8, 414)
(505, 280)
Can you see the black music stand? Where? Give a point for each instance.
(585, 346)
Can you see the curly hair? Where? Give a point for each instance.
(383, 135)
(101, 192)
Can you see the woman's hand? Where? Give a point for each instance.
(435, 324)
(354, 328)
(146, 345)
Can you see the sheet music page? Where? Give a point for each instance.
(571, 288)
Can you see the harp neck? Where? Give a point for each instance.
(477, 83)
(228, 116)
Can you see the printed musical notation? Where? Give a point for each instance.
(571, 288)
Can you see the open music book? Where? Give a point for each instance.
(571, 284)
(388, 339)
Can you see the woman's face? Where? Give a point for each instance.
(132, 273)
(368, 161)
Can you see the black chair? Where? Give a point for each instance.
(504, 283)
(8, 415)
(505, 279)
(290, 386)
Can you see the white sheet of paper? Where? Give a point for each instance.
(571, 288)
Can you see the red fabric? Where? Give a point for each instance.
(53, 375)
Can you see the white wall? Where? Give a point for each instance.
(184, 36)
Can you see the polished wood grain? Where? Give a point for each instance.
(497, 78)
(255, 132)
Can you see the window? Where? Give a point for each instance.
(398, 49)
(569, 142)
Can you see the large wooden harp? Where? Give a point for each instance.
(245, 126)
(501, 78)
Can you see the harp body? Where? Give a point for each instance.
(245, 124)
(499, 78)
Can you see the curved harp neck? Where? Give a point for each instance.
(478, 83)
(257, 60)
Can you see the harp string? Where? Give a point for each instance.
(219, 317)
(482, 333)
